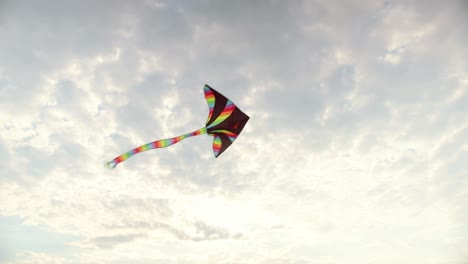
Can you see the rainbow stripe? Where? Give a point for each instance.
(232, 136)
(228, 109)
(153, 145)
(216, 145)
(210, 99)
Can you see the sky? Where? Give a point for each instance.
(355, 151)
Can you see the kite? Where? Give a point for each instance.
(225, 122)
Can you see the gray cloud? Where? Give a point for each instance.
(111, 241)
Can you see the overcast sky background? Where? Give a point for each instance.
(356, 150)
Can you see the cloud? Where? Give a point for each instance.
(110, 241)
(355, 146)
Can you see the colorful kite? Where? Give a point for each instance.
(225, 122)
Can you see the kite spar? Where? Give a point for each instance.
(225, 122)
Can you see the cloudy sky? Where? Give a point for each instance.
(356, 150)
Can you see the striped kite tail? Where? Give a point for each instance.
(153, 145)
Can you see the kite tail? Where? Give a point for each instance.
(153, 145)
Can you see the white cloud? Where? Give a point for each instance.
(355, 150)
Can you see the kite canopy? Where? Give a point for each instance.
(225, 122)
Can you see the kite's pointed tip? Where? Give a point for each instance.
(111, 164)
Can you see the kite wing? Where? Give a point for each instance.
(225, 120)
